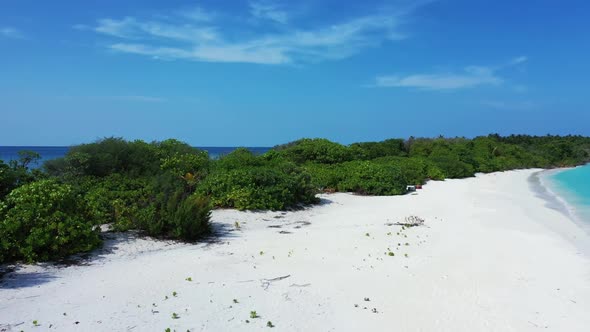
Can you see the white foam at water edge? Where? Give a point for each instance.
(556, 196)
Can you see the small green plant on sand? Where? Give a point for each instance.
(391, 253)
(167, 330)
(174, 294)
(237, 225)
(189, 279)
(261, 252)
(269, 324)
(367, 234)
(175, 316)
(406, 255)
(36, 323)
(236, 301)
(253, 314)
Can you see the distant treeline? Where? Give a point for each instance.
(167, 189)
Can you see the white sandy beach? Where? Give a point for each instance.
(491, 257)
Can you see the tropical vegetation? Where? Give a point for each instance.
(168, 189)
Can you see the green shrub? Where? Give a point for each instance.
(434, 173)
(373, 150)
(258, 188)
(194, 164)
(17, 173)
(379, 177)
(414, 170)
(44, 220)
(164, 208)
(139, 185)
(130, 158)
(240, 180)
(190, 219)
(325, 177)
(315, 150)
(369, 178)
(450, 164)
(242, 157)
(8, 179)
(115, 199)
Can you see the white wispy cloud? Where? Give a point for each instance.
(202, 36)
(131, 28)
(468, 77)
(226, 53)
(10, 32)
(268, 10)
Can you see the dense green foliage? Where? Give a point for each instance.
(132, 159)
(392, 164)
(129, 185)
(167, 189)
(16, 173)
(247, 182)
(373, 150)
(365, 177)
(44, 220)
(317, 150)
(362, 177)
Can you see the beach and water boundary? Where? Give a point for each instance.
(564, 192)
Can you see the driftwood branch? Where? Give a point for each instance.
(411, 221)
(265, 283)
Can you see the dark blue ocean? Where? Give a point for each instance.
(8, 153)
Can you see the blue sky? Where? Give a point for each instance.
(264, 72)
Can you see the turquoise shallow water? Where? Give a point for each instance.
(573, 186)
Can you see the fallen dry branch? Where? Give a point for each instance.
(411, 221)
(265, 283)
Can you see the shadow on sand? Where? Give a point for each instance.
(19, 275)
(325, 201)
(13, 278)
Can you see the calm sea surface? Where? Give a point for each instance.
(573, 186)
(8, 153)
